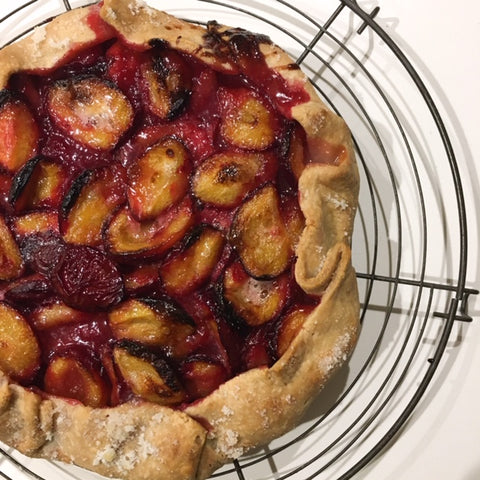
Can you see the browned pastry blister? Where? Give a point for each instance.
(142, 439)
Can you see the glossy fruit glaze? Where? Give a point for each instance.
(148, 229)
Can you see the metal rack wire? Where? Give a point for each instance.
(411, 302)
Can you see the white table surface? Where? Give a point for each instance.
(442, 40)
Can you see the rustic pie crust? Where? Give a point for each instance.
(144, 440)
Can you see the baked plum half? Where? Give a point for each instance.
(148, 225)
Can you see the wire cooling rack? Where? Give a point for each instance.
(410, 244)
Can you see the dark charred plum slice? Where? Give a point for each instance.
(92, 111)
(201, 376)
(154, 323)
(87, 279)
(18, 131)
(193, 266)
(126, 237)
(11, 262)
(225, 179)
(39, 183)
(256, 301)
(149, 377)
(289, 327)
(42, 251)
(20, 351)
(159, 179)
(89, 203)
(67, 377)
(29, 291)
(259, 235)
(168, 84)
(55, 315)
(246, 121)
(36, 222)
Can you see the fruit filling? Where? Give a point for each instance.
(148, 225)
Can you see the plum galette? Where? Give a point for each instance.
(176, 214)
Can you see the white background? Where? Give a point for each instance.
(442, 40)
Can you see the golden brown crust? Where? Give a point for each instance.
(136, 441)
(140, 441)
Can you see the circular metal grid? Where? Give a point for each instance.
(411, 271)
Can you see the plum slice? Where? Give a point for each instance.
(201, 376)
(150, 377)
(67, 377)
(92, 111)
(158, 179)
(19, 132)
(246, 121)
(11, 261)
(86, 279)
(38, 184)
(126, 237)
(226, 178)
(55, 315)
(256, 301)
(168, 84)
(19, 348)
(192, 267)
(155, 323)
(36, 222)
(296, 150)
(259, 235)
(89, 203)
(293, 219)
(289, 327)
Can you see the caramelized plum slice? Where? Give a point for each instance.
(158, 179)
(193, 266)
(289, 327)
(246, 121)
(168, 83)
(296, 150)
(55, 315)
(202, 376)
(11, 262)
(69, 378)
(88, 204)
(19, 132)
(128, 238)
(92, 111)
(259, 235)
(256, 301)
(149, 377)
(225, 179)
(36, 222)
(154, 323)
(19, 348)
(39, 183)
(87, 279)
